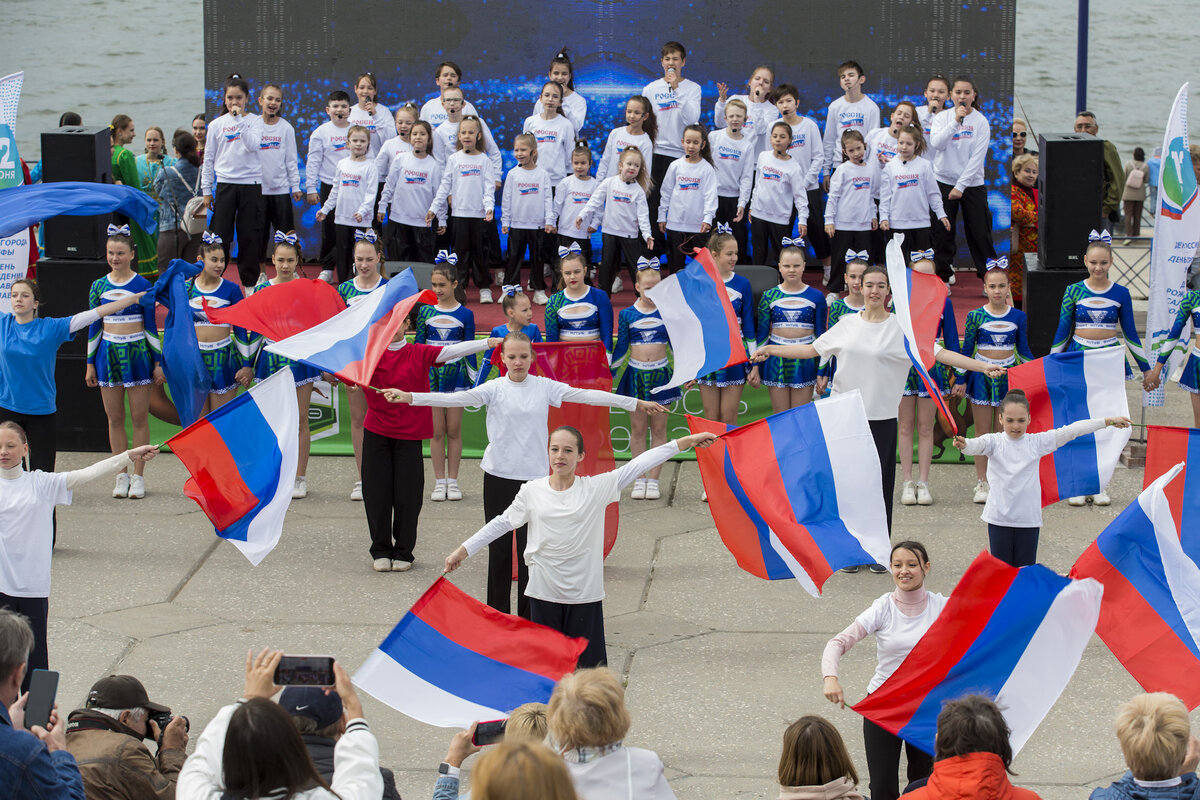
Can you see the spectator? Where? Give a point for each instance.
(525, 723)
(588, 721)
(35, 764)
(200, 133)
(1137, 176)
(815, 764)
(1020, 138)
(522, 771)
(1024, 226)
(971, 755)
(1159, 750)
(1155, 165)
(320, 720)
(69, 118)
(252, 750)
(1110, 204)
(176, 185)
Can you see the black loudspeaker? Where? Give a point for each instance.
(421, 271)
(76, 154)
(761, 278)
(1070, 196)
(64, 285)
(1042, 295)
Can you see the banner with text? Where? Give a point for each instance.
(14, 250)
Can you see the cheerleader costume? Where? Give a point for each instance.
(440, 327)
(638, 378)
(1005, 332)
(123, 359)
(1084, 308)
(837, 309)
(1188, 310)
(796, 310)
(267, 363)
(589, 317)
(947, 338)
(742, 298)
(350, 292)
(223, 358)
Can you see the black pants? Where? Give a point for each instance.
(409, 243)
(491, 246)
(328, 231)
(379, 209)
(885, 433)
(766, 240)
(726, 211)
(917, 239)
(658, 171)
(498, 494)
(518, 240)
(472, 257)
(585, 244)
(240, 206)
(977, 225)
(1015, 546)
(278, 215)
(883, 761)
(37, 611)
(582, 619)
(679, 246)
(844, 242)
(393, 489)
(343, 251)
(613, 248)
(816, 225)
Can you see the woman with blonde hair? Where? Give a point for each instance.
(522, 770)
(1159, 749)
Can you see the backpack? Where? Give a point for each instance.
(194, 218)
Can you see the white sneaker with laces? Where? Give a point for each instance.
(1080, 500)
(300, 488)
(439, 492)
(539, 298)
(652, 492)
(617, 285)
(825, 281)
(981, 492)
(122, 487)
(1098, 499)
(137, 487)
(356, 492)
(327, 276)
(704, 495)
(452, 491)
(924, 498)
(401, 566)
(485, 295)
(908, 494)
(639, 490)
(382, 565)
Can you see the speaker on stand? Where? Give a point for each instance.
(75, 153)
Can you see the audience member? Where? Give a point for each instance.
(1020, 137)
(525, 723)
(1110, 204)
(524, 771)
(815, 764)
(1159, 749)
(1137, 177)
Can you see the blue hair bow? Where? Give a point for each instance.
(113, 230)
(997, 263)
(286, 238)
(369, 235)
(573, 248)
(208, 237)
(790, 242)
(1097, 236)
(446, 257)
(861, 255)
(510, 289)
(724, 227)
(648, 263)
(920, 255)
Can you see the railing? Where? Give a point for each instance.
(1131, 264)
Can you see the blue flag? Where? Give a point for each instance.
(187, 377)
(22, 206)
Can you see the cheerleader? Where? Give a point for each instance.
(565, 514)
(226, 350)
(733, 154)
(573, 104)
(689, 198)
(809, 155)
(518, 316)
(852, 303)
(470, 177)
(447, 322)
(898, 619)
(997, 334)
(281, 171)
(527, 214)
(640, 359)
(412, 180)
(622, 209)
(721, 391)
(578, 312)
(368, 113)
(778, 189)
(571, 197)
(908, 194)
(553, 132)
(851, 213)
(640, 130)
(124, 356)
(758, 110)
(790, 313)
(1189, 379)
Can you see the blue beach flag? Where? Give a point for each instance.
(187, 377)
(22, 206)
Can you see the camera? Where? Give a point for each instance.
(162, 719)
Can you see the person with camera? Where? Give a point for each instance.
(106, 737)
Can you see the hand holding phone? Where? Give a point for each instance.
(489, 732)
(43, 686)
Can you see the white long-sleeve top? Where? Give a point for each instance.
(570, 199)
(880, 142)
(517, 419)
(574, 106)
(380, 126)
(445, 142)
(759, 117)
(1015, 496)
(618, 140)
(410, 187)
(925, 118)
(806, 149)
(851, 204)
(27, 501)
(555, 141)
(326, 147)
(907, 193)
(626, 211)
(277, 154)
(231, 151)
(527, 202)
(387, 155)
(565, 550)
(959, 149)
(734, 161)
(778, 185)
(354, 189)
(675, 110)
(434, 112)
(471, 180)
(861, 116)
(356, 774)
(689, 196)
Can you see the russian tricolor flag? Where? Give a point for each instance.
(1068, 387)
(1013, 634)
(452, 660)
(791, 494)
(242, 459)
(1150, 617)
(351, 344)
(282, 310)
(1165, 447)
(700, 322)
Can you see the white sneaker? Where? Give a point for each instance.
(452, 491)
(300, 488)
(652, 492)
(951, 281)
(401, 566)
(122, 487)
(327, 276)
(639, 490)
(137, 487)
(356, 492)
(485, 295)
(1098, 499)
(382, 565)
(924, 498)
(1080, 500)
(617, 285)
(539, 298)
(908, 495)
(981, 492)
(704, 495)
(825, 280)
(439, 492)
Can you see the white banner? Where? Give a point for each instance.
(14, 251)
(1176, 231)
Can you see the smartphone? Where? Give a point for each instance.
(489, 732)
(304, 671)
(43, 686)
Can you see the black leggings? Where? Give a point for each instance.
(393, 487)
(409, 243)
(278, 215)
(1015, 546)
(767, 240)
(726, 211)
(679, 246)
(885, 433)
(844, 242)
(518, 240)
(977, 226)
(37, 611)
(612, 250)
(816, 225)
(658, 170)
(575, 619)
(328, 232)
(883, 761)
(240, 205)
(498, 494)
(472, 257)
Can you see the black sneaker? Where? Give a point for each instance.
(878, 569)
(851, 570)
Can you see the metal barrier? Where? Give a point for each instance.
(1131, 264)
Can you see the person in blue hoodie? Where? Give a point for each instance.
(1159, 749)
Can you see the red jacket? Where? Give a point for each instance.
(979, 776)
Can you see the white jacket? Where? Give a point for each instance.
(778, 185)
(231, 151)
(626, 210)
(277, 154)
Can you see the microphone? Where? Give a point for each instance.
(671, 74)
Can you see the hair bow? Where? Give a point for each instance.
(1097, 236)
(113, 230)
(286, 238)
(861, 255)
(446, 257)
(920, 255)
(724, 227)
(573, 248)
(790, 242)
(369, 235)
(997, 263)
(648, 263)
(510, 289)
(208, 237)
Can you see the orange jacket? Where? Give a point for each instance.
(978, 776)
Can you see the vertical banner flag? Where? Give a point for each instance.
(1176, 234)
(14, 250)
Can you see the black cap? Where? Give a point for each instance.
(312, 702)
(121, 691)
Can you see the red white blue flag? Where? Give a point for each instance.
(1165, 447)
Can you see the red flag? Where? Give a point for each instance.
(282, 310)
(1165, 447)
